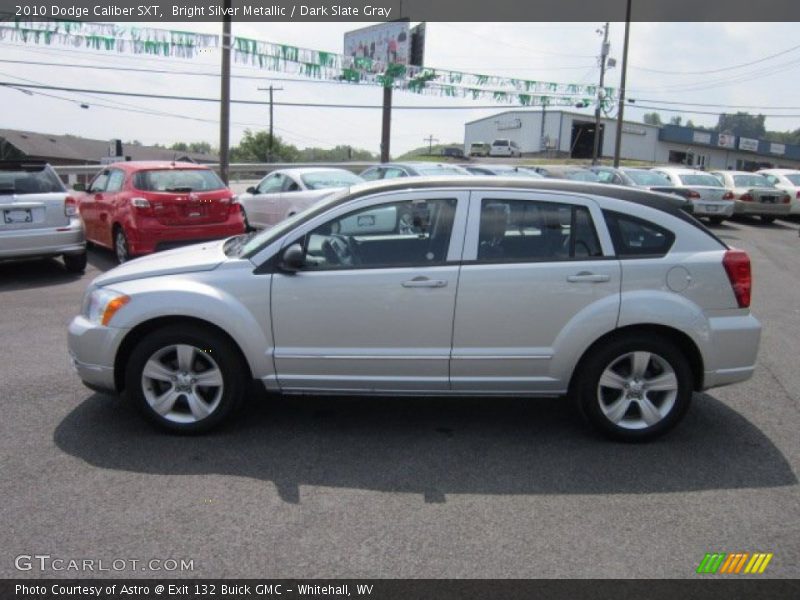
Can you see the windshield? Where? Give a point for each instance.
(250, 244)
(751, 181)
(177, 180)
(795, 179)
(500, 143)
(642, 177)
(34, 179)
(700, 179)
(334, 178)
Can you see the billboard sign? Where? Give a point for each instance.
(726, 140)
(748, 144)
(701, 137)
(384, 43)
(777, 149)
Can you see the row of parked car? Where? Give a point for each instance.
(135, 208)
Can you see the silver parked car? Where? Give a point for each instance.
(284, 193)
(753, 194)
(705, 191)
(462, 286)
(37, 217)
(787, 180)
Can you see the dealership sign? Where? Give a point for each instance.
(777, 149)
(700, 137)
(387, 43)
(748, 144)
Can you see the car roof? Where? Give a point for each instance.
(732, 172)
(781, 171)
(148, 165)
(298, 171)
(682, 170)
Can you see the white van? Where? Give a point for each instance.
(504, 147)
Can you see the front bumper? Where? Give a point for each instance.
(92, 350)
(45, 241)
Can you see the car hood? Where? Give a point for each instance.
(189, 259)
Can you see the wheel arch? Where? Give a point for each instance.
(135, 335)
(685, 343)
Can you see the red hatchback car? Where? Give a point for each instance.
(141, 207)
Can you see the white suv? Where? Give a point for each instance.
(432, 286)
(504, 148)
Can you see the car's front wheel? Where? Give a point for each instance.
(185, 379)
(635, 388)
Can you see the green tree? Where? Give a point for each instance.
(652, 118)
(254, 147)
(676, 120)
(743, 124)
(198, 147)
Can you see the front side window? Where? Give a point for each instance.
(393, 172)
(115, 181)
(99, 183)
(524, 230)
(271, 184)
(371, 174)
(636, 237)
(396, 234)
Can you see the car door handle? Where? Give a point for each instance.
(586, 277)
(424, 282)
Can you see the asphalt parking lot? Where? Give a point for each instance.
(353, 487)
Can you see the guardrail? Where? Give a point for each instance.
(237, 171)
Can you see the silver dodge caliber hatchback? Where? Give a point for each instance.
(432, 286)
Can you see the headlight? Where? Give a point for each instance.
(101, 305)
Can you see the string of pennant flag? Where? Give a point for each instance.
(305, 62)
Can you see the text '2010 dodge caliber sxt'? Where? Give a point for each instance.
(430, 286)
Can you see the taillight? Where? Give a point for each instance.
(746, 197)
(727, 196)
(693, 195)
(142, 205)
(798, 195)
(787, 198)
(737, 265)
(70, 206)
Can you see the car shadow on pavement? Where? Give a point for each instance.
(34, 273)
(102, 259)
(432, 447)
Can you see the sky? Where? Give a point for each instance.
(714, 66)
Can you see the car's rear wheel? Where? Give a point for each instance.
(767, 219)
(121, 248)
(635, 388)
(75, 263)
(186, 380)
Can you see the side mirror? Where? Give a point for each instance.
(293, 259)
(251, 190)
(79, 187)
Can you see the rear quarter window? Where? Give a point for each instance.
(634, 237)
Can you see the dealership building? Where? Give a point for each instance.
(565, 134)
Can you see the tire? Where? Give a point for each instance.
(635, 413)
(716, 220)
(247, 227)
(121, 247)
(75, 263)
(162, 373)
(767, 219)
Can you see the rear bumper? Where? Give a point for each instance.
(730, 356)
(151, 236)
(49, 241)
(760, 208)
(713, 208)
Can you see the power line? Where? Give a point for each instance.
(708, 72)
(704, 112)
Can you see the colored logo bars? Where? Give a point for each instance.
(735, 563)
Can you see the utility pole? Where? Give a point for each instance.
(621, 107)
(225, 95)
(430, 139)
(603, 55)
(270, 89)
(386, 123)
(542, 147)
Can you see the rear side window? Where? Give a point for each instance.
(634, 237)
(525, 230)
